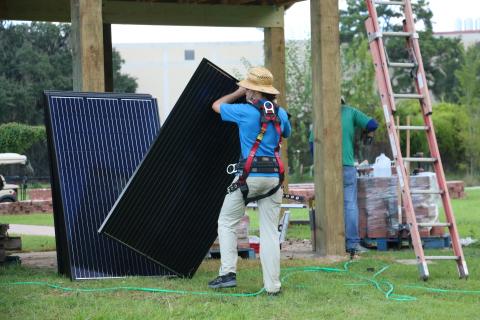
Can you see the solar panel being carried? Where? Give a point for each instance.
(96, 141)
(169, 209)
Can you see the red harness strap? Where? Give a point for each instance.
(269, 114)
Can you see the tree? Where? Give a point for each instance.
(441, 56)
(35, 57)
(299, 101)
(469, 95)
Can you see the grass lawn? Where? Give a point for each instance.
(37, 243)
(359, 293)
(467, 214)
(306, 295)
(36, 219)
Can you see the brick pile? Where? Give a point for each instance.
(456, 189)
(378, 206)
(28, 206)
(40, 194)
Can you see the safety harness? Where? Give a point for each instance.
(268, 114)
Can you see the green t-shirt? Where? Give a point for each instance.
(351, 119)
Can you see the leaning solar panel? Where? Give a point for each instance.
(169, 209)
(96, 141)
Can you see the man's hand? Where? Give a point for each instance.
(368, 138)
(229, 98)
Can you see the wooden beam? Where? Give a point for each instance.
(329, 221)
(108, 57)
(150, 13)
(154, 13)
(275, 62)
(35, 10)
(87, 45)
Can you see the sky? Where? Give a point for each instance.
(446, 16)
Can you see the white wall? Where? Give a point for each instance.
(162, 71)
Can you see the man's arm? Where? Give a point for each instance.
(229, 98)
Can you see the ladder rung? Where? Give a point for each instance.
(408, 96)
(433, 224)
(420, 159)
(401, 64)
(413, 128)
(400, 34)
(426, 191)
(395, 3)
(442, 257)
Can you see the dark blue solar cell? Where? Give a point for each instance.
(96, 141)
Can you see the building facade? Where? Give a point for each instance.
(164, 69)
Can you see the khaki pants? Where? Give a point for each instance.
(269, 209)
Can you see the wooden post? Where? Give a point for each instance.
(108, 57)
(329, 221)
(87, 45)
(275, 62)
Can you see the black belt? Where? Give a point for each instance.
(261, 164)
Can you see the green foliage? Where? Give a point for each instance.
(469, 95)
(121, 82)
(18, 138)
(35, 57)
(441, 56)
(450, 124)
(299, 101)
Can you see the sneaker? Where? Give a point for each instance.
(273, 294)
(361, 249)
(226, 281)
(354, 252)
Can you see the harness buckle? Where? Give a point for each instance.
(268, 107)
(232, 168)
(232, 188)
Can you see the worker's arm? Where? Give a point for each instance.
(229, 98)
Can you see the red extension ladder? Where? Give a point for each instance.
(388, 98)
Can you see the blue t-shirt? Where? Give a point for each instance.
(247, 117)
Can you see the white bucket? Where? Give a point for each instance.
(382, 167)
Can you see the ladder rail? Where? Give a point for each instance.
(420, 79)
(372, 21)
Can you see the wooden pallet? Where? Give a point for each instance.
(383, 244)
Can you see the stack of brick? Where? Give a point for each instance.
(40, 194)
(27, 206)
(456, 189)
(378, 205)
(306, 190)
(242, 235)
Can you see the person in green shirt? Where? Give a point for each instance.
(352, 118)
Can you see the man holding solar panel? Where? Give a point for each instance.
(259, 175)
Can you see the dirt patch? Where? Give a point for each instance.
(302, 249)
(296, 249)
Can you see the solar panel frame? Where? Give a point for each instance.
(189, 155)
(95, 143)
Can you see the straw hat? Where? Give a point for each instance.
(259, 79)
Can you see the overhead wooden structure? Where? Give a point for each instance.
(91, 35)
